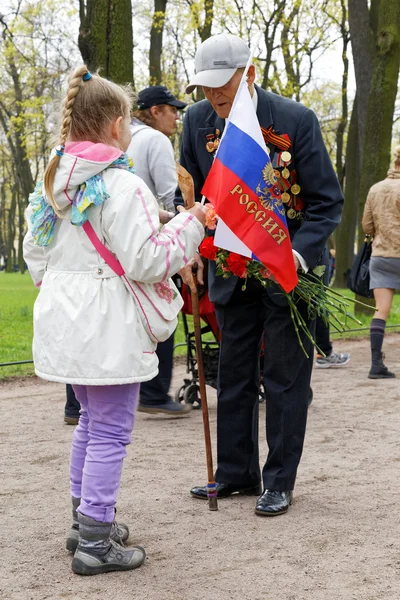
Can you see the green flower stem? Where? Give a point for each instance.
(321, 300)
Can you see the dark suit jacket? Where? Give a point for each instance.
(320, 189)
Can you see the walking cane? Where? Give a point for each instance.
(211, 486)
(186, 185)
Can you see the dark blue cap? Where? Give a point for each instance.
(158, 94)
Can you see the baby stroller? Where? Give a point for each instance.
(189, 392)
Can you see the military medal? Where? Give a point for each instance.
(276, 173)
(212, 144)
(295, 189)
(286, 156)
(291, 213)
(285, 173)
(285, 197)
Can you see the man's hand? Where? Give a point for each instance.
(297, 263)
(187, 274)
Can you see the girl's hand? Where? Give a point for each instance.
(198, 210)
(165, 216)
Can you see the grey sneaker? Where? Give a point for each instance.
(173, 409)
(334, 360)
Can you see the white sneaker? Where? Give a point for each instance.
(334, 360)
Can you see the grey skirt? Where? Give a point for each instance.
(384, 273)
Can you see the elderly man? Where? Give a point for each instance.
(313, 203)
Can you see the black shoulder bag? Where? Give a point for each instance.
(358, 281)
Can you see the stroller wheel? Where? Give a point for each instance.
(191, 395)
(179, 394)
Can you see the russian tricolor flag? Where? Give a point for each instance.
(242, 187)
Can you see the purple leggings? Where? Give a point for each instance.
(99, 446)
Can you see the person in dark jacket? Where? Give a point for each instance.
(313, 201)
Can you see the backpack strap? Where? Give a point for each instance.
(108, 257)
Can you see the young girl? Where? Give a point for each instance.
(103, 264)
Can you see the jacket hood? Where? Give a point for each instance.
(80, 162)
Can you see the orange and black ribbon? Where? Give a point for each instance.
(281, 141)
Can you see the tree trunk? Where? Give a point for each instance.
(205, 31)
(17, 137)
(3, 232)
(343, 120)
(362, 45)
(345, 233)
(381, 101)
(21, 233)
(156, 36)
(11, 231)
(106, 38)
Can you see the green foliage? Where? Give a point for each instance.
(325, 100)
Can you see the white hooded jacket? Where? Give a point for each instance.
(88, 327)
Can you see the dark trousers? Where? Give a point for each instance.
(322, 330)
(248, 316)
(322, 336)
(155, 392)
(72, 406)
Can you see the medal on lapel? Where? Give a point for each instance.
(213, 141)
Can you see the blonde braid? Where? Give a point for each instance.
(74, 84)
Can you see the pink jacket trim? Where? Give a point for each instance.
(91, 151)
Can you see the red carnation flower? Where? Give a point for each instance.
(265, 273)
(208, 249)
(237, 264)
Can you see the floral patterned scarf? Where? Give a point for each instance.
(91, 192)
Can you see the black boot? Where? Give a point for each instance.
(379, 370)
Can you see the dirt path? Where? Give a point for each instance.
(339, 541)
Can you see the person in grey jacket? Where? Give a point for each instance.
(153, 123)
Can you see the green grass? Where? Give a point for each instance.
(363, 329)
(17, 296)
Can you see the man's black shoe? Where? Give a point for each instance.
(273, 503)
(227, 489)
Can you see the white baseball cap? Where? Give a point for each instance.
(217, 59)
